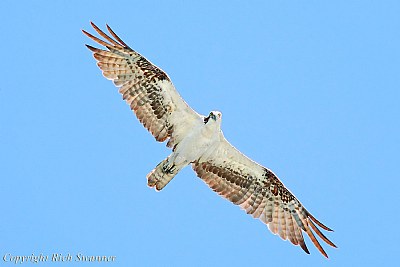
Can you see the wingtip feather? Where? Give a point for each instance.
(320, 234)
(315, 242)
(104, 35)
(304, 247)
(116, 36)
(85, 32)
(91, 48)
(319, 223)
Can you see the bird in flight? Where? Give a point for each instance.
(197, 140)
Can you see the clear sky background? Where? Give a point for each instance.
(309, 89)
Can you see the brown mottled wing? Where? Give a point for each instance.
(260, 193)
(146, 88)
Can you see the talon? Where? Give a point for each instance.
(172, 169)
(165, 167)
(168, 169)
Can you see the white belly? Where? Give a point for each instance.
(194, 145)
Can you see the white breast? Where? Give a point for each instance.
(196, 143)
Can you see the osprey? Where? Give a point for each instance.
(198, 140)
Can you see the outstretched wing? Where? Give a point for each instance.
(260, 193)
(145, 87)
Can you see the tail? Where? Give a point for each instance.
(162, 174)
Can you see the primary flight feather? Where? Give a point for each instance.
(198, 140)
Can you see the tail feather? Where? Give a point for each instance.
(161, 175)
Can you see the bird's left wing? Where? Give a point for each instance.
(146, 88)
(260, 193)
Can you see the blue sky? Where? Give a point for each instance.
(310, 89)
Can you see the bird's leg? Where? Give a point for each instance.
(163, 174)
(168, 168)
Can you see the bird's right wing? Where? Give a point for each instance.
(260, 193)
(146, 88)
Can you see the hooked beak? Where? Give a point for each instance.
(212, 116)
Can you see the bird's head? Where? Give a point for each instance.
(213, 117)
